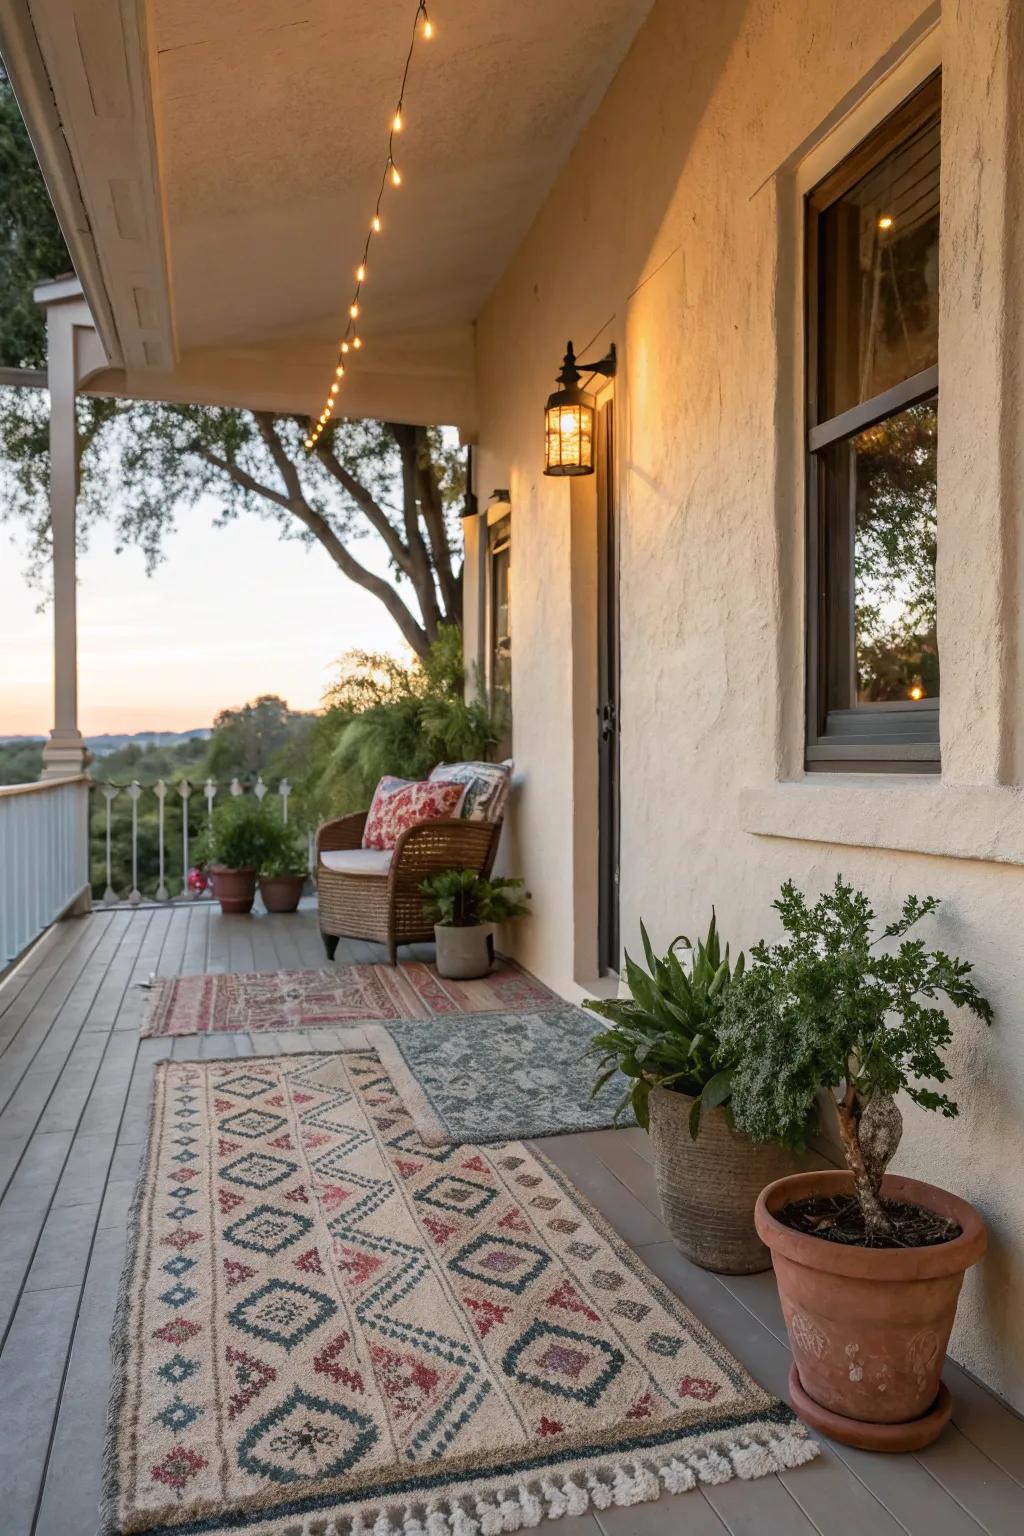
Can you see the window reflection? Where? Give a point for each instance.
(894, 478)
(880, 254)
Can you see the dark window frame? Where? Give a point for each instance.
(877, 738)
(498, 543)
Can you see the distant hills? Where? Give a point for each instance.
(102, 746)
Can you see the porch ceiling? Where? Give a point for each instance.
(228, 157)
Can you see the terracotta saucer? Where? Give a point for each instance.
(913, 1435)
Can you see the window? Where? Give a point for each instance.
(499, 639)
(873, 290)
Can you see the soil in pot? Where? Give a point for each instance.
(839, 1219)
(868, 1326)
(708, 1187)
(235, 889)
(281, 893)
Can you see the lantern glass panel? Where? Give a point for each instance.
(569, 439)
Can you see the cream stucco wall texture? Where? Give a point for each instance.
(673, 231)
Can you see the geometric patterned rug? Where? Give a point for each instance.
(496, 1076)
(342, 994)
(321, 1320)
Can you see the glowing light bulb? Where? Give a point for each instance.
(917, 692)
(339, 372)
(357, 342)
(375, 223)
(360, 273)
(309, 442)
(428, 27)
(885, 222)
(396, 175)
(396, 123)
(353, 310)
(344, 346)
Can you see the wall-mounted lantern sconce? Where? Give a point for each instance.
(469, 501)
(569, 417)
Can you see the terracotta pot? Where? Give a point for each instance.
(281, 893)
(464, 954)
(708, 1187)
(235, 889)
(868, 1327)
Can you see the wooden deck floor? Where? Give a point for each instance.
(74, 1096)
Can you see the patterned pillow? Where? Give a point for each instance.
(400, 803)
(487, 787)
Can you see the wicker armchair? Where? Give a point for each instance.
(388, 908)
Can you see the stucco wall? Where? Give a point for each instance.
(672, 231)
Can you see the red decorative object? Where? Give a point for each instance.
(197, 881)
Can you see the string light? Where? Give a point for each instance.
(422, 26)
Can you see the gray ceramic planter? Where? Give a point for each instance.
(464, 953)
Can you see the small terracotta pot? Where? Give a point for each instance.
(868, 1327)
(281, 893)
(708, 1187)
(235, 889)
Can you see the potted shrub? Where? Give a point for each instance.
(869, 1266)
(462, 906)
(665, 1039)
(233, 846)
(284, 869)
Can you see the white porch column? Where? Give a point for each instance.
(73, 352)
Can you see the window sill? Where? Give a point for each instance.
(913, 815)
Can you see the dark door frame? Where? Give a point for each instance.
(609, 704)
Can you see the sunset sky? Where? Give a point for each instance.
(231, 613)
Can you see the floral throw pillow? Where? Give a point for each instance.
(399, 804)
(486, 784)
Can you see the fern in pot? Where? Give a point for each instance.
(463, 907)
(284, 869)
(665, 1039)
(237, 838)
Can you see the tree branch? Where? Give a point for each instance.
(372, 510)
(433, 517)
(413, 633)
(421, 575)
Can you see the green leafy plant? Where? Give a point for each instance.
(827, 1008)
(665, 1035)
(387, 717)
(239, 835)
(285, 852)
(462, 899)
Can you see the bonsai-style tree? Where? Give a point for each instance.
(829, 1008)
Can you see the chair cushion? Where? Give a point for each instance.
(487, 787)
(358, 861)
(398, 805)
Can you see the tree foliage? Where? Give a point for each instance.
(829, 1008)
(383, 717)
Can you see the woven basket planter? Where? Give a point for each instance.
(708, 1188)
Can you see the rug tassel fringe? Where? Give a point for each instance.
(523, 1506)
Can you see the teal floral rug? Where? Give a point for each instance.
(501, 1076)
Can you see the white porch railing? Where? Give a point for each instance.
(142, 835)
(44, 857)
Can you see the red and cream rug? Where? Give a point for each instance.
(326, 1327)
(343, 994)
